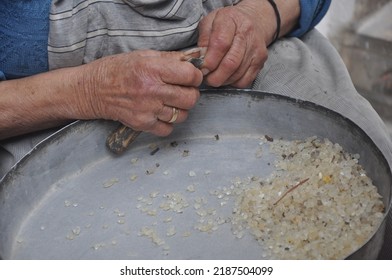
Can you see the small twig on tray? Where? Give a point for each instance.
(291, 189)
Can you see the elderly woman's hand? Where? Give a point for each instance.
(140, 89)
(237, 38)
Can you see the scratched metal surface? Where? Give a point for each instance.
(72, 199)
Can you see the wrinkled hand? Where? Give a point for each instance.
(237, 44)
(140, 89)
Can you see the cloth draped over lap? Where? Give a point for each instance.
(99, 28)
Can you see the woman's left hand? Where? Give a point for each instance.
(236, 38)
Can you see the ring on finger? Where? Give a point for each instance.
(175, 115)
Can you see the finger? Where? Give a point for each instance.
(175, 55)
(160, 128)
(148, 123)
(156, 106)
(172, 68)
(248, 70)
(184, 98)
(220, 40)
(204, 28)
(172, 115)
(230, 64)
(247, 79)
(180, 73)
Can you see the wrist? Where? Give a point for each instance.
(278, 20)
(264, 16)
(65, 90)
(289, 12)
(86, 84)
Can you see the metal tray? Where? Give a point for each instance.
(72, 199)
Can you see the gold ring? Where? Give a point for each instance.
(175, 115)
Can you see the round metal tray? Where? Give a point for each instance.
(70, 198)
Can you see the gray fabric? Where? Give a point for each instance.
(310, 69)
(14, 149)
(84, 30)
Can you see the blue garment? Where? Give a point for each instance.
(312, 13)
(24, 29)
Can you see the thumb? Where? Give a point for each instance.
(174, 55)
(205, 28)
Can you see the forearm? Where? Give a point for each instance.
(39, 102)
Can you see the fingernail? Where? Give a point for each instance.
(205, 71)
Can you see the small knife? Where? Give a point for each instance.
(119, 140)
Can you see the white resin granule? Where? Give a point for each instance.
(171, 231)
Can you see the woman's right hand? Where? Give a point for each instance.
(140, 89)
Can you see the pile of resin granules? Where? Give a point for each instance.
(318, 204)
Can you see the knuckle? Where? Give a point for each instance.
(138, 122)
(218, 41)
(188, 98)
(184, 116)
(214, 81)
(161, 129)
(262, 54)
(231, 62)
(193, 97)
(137, 125)
(193, 76)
